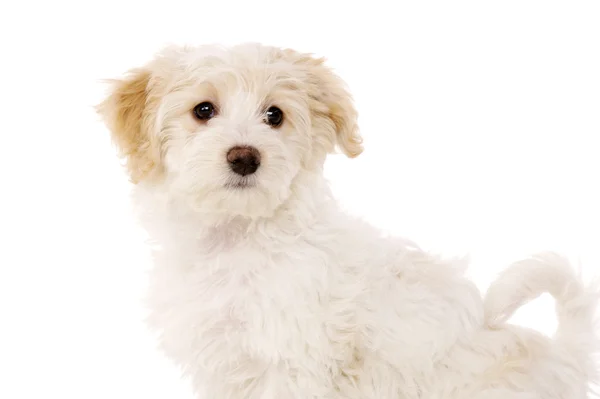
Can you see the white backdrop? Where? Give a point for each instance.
(481, 123)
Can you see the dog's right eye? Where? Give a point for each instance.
(204, 111)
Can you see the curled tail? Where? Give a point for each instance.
(576, 304)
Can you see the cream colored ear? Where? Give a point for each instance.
(129, 113)
(333, 93)
(333, 106)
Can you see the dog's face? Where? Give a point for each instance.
(230, 129)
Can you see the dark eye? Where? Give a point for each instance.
(274, 117)
(204, 111)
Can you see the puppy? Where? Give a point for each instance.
(262, 288)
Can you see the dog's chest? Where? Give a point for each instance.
(244, 304)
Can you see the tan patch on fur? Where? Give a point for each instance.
(129, 113)
(514, 366)
(333, 102)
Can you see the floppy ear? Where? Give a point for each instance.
(129, 112)
(332, 105)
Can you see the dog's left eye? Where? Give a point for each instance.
(274, 117)
(204, 111)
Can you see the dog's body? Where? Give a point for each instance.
(263, 288)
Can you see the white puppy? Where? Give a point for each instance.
(263, 288)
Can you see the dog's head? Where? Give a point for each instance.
(230, 129)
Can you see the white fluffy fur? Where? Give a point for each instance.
(270, 291)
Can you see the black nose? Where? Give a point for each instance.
(243, 160)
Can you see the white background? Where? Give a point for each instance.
(481, 123)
